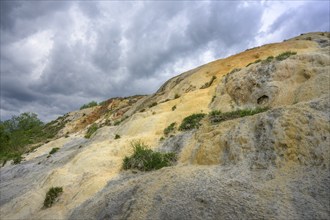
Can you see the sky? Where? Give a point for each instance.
(58, 55)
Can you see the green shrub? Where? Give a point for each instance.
(213, 98)
(89, 105)
(285, 55)
(173, 107)
(176, 96)
(145, 159)
(54, 150)
(216, 116)
(169, 129)
(91, 130)
(208, 84)
(18, 159)
(257, 61)
(117, 136)
(51, 195)
(268, 60)
(152, 104)
(103, 102)
(191, 122)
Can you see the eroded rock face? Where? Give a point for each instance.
(276, 83)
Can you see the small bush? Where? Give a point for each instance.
(142, 110)
(117, 136)
(208, 84)
(54, 150)
(145, 159)
(176, 96)
(173, 107)
(285, 55)
(213, 98)
(89, 105)
(268, 60)
(91, 130)
(18, 159)
(169, 129)
(191, 122)
(216, 116)
(153, 104)
(103, 102)
(51, 195)
(257, 61)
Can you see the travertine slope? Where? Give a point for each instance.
(271, 165)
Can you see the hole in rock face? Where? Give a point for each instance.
(262, 100)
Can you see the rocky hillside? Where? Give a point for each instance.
(260, 151)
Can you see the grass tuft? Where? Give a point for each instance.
(285, 55)
(89, 105)
(54, 150)
(153, 104)
(208, 84)
(191, 122)
(217, 116)
(91, 130)
(145, 159)
(51, 196)
(169, 129)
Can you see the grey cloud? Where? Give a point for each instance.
(19, 19)
(120, 48)
(310, 17)
(108, 51)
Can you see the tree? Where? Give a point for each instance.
(18, 132)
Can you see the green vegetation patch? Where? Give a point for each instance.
(117, 136)
(91, 130)
(208, 84)
(191, 122)
(280, 57)
(268, 60)
(52, 195)
(285, 55)
(169, 129)
(145, 159)
(217, 116)
(89, 105)
(24, 133)
(153, 104)
(18, 159)
(54, 150)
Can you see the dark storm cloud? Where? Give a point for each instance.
(56, 56)
(19, 19)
